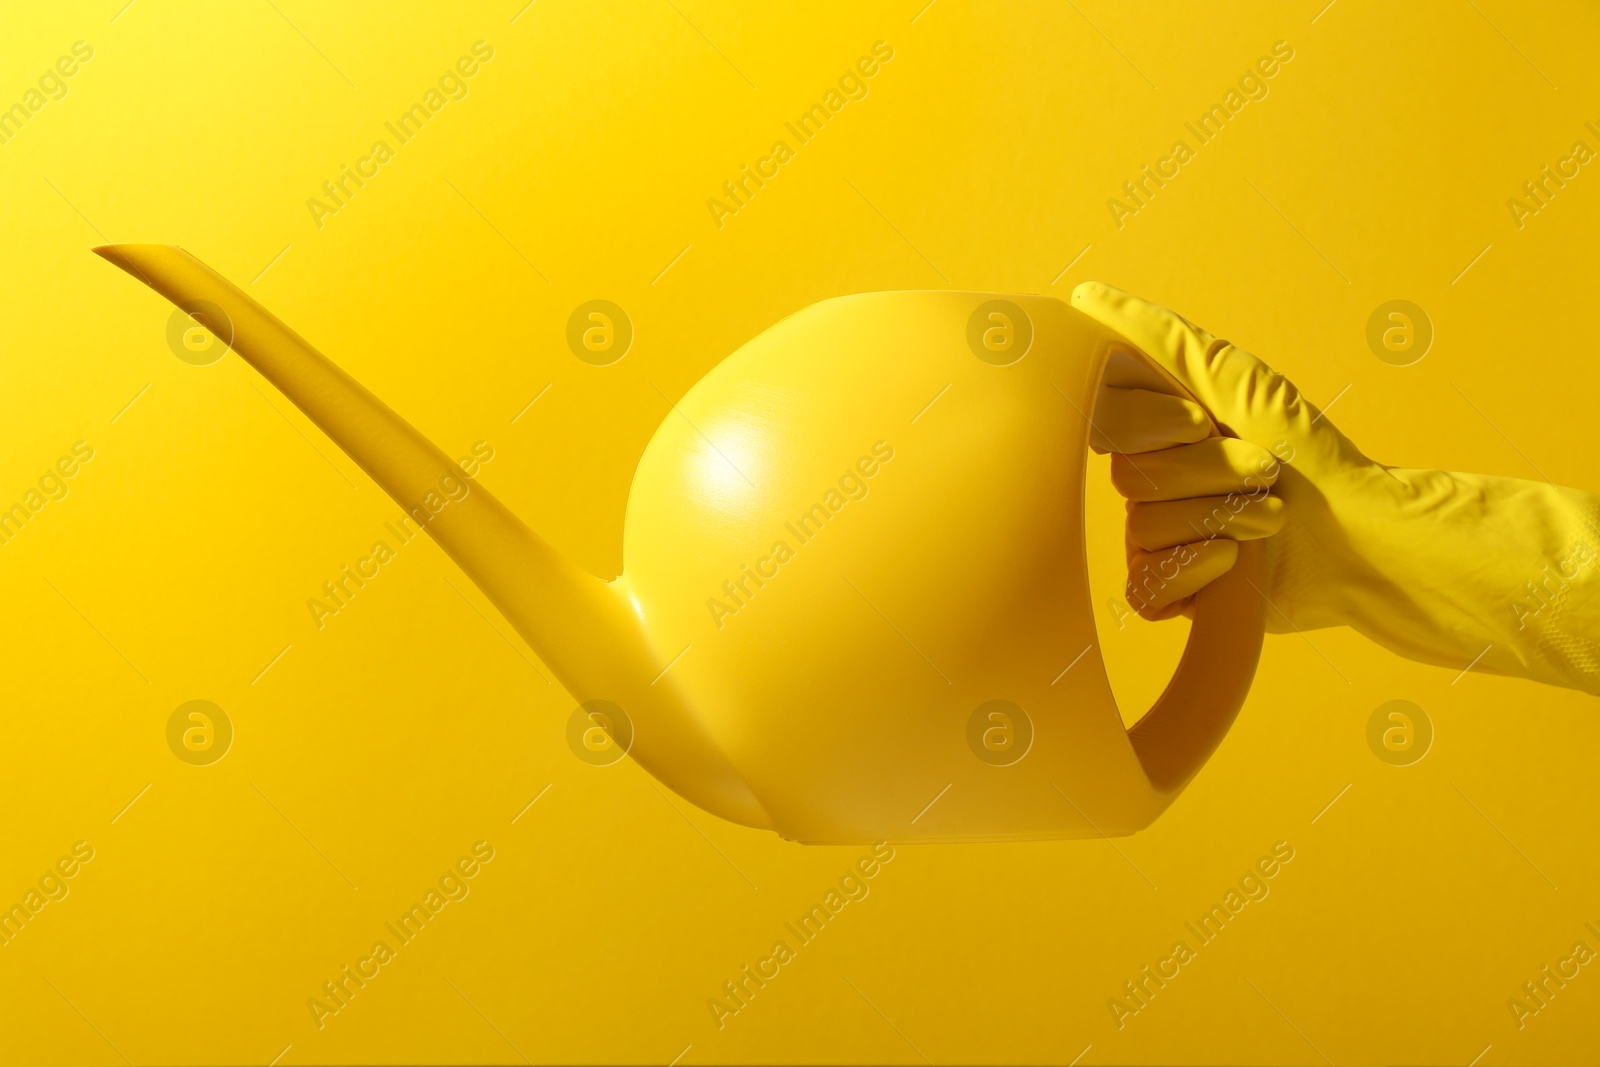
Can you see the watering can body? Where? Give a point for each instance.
(854, 604)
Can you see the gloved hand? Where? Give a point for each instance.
(1448, 569)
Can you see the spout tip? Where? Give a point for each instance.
(118, 256)
(136, 259)
(130, 248)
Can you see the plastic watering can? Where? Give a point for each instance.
(854, 575)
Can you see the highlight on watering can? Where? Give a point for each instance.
(711, 532)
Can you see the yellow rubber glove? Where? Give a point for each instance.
(1445, 568)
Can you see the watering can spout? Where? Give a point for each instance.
(581, 626)
(550, 600)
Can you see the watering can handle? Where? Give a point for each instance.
(1187, 722)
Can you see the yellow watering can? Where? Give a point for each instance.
(855, 599)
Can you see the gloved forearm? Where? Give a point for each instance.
(1499, 573)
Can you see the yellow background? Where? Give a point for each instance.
(376, 751)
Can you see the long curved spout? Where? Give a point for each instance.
(564, 612)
